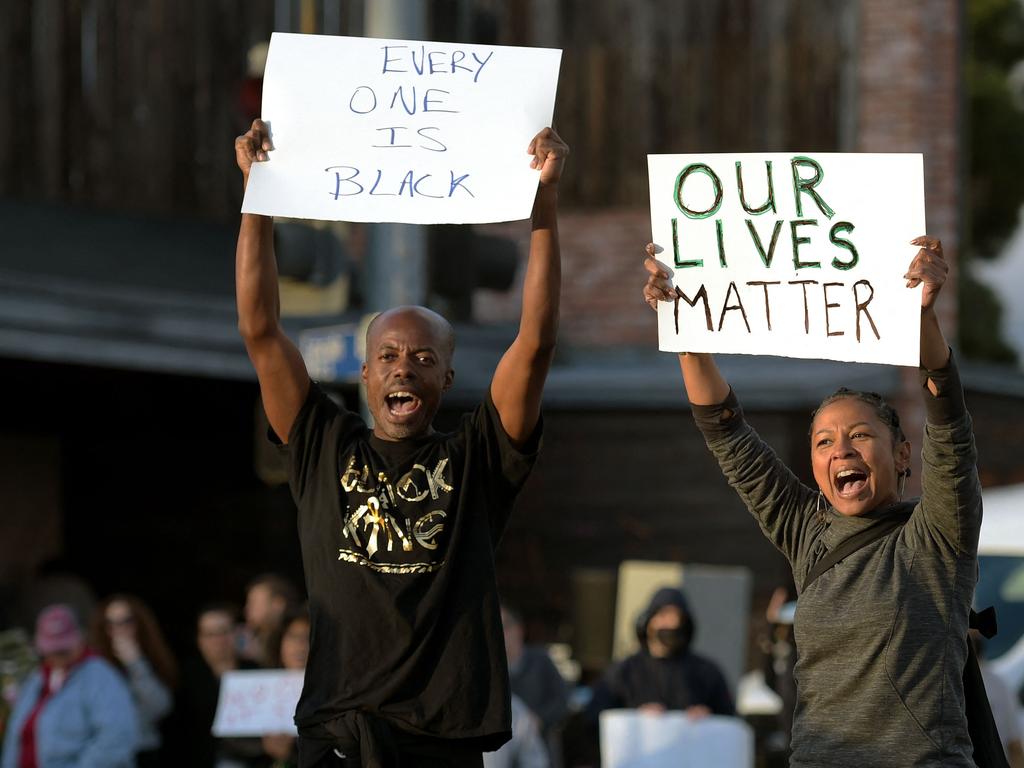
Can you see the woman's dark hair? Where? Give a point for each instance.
(147, 631)
(885, 412)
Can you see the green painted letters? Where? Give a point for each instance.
(715, 181)
(769, 204)
(807, 186)
(675, 249)
(842, 242)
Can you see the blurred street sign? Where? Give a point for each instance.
(333, 353)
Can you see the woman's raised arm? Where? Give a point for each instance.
(705, 384)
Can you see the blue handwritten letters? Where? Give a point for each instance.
(400, 130)
(403, 98)
(433, 62)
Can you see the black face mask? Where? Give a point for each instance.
(673, 639)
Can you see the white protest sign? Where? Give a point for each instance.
(788, 254)
(633, 739)
(399, 130)
(256, 702)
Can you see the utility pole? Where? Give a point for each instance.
(396, 269)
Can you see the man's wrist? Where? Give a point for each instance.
(547, 196)
(545, 206)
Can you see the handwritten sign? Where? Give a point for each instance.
(400, 130)
(799, 255)
(257, 702)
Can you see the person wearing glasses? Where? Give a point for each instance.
(125, 632)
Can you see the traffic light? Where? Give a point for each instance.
(461, 260)
(314, 267)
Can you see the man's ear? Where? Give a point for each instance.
(362, 373)
(449, 379)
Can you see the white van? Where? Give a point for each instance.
(1001, 556)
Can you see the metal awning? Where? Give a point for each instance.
(97, 288)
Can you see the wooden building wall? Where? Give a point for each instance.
(132, 104)
(125, 105)
(692, 76)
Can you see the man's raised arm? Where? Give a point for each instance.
(280, 369)
(519, 379)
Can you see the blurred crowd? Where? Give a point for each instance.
(106, 688)
(97, 683)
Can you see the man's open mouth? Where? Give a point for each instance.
(402, 404)
(850, 482)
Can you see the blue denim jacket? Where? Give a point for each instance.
(89, 723)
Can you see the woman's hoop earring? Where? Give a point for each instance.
(819, 505)
(902, 484)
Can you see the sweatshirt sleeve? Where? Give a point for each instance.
(152, 697)
(782, 505)
(950, 490)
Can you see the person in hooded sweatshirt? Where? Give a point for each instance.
(665, 674)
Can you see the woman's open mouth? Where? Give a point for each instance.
(402, 404)
(849, 483)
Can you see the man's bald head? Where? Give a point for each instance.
(440, 328)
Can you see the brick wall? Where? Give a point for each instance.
(909, 100)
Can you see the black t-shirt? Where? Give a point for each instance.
(398, 548)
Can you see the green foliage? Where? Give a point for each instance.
(996, 124)
(16, 662)
(995, 184)
(980, 321)
(997, 31)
